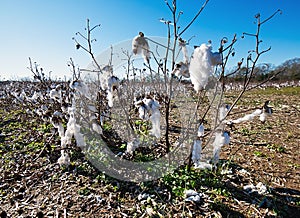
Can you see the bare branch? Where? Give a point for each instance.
(193, 20)
(269, 18)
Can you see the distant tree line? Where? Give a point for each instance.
(287, 71)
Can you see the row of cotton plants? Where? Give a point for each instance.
(60, 104)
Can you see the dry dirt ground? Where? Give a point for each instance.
(258, 175)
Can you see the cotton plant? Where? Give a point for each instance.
(202, 65)
(140, 46)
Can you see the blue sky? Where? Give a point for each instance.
(43, 30)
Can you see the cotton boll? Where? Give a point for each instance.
(141, 46)
(104, 80)
(201, 131)
(203, 166)
(201, 67)
(110, 98)
(81, 88)
(36, 95)
(61, 130)
(217, 144)
(223, 112)
(190, 192)
(143, 114)
(64, 159)
(197, 150)
(263, 117)
(182, 44)
(248, 117)
(267, 111)
(113, 83)
(151, 104)
(97, 128)
(79, 137)
(54, 94)
(155, 120)
(226, 138)
(131, 146)
(181, 69)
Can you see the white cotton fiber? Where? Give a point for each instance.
(185, 54)
(226, 138)
(141, 46)
(196, 153)
(218, 143)
(131, 146)
(181, 69)
(201, 66)
(200, 131)
(143, 114)
(110, 98)
(64, 159)
(155, 120)
(248, 117)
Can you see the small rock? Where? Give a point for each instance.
(195, 198)
(192, 195)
